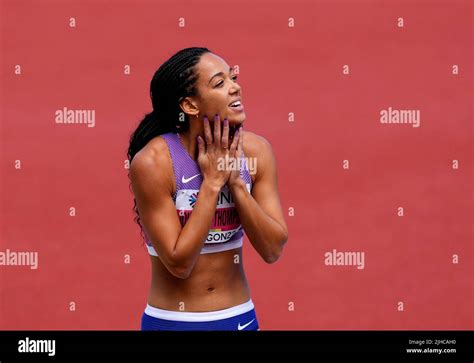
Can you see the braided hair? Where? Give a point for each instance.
(174, 80)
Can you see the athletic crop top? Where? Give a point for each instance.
(226, 229)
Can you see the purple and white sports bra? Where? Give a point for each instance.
(226, 231)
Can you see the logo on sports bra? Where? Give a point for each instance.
(184, 180)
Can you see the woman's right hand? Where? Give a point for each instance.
(215, 153)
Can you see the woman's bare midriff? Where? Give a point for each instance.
(216, 282)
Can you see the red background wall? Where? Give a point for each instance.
(283, 69)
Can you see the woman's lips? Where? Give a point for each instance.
(239, 108)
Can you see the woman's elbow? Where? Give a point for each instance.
(276, 253)
(179, 268)
(180, 272)
(271, 258)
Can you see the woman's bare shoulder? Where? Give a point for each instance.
(154, 152)
(254, 144)
(154, 158)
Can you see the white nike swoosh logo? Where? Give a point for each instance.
(184, 180)
(240, 327)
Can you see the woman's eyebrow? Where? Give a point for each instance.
(220, 74)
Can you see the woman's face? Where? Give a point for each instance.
(217, 89)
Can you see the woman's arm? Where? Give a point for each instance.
(177, 247)
(260, 212)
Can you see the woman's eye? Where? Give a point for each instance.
(222, 82)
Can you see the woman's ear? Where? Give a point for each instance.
(189, 106)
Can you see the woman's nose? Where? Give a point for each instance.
(235, 88)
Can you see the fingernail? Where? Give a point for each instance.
(199, 139)
(206, 119)
(226, 122)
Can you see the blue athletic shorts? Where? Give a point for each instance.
(239, 317)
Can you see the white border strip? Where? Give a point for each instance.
(199, 316)
(219, 247)
(151, 250)
(208, 247)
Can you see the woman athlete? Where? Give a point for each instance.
(192, 209)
